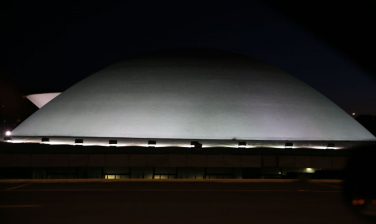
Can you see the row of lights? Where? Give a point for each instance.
(115, 142)
(194, 144)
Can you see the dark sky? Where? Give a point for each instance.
(50, 45)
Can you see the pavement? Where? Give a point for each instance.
(173, 201)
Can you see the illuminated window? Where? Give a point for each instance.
(113, 176)
(110, 176)
(165, 173)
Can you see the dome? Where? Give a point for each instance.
(193, 94)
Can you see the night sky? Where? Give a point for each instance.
(47, 46)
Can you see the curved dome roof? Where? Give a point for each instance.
(193, 94)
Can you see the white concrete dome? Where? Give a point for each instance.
(193, 94)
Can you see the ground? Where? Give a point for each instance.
(173, 201)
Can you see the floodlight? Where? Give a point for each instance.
(152, 143)
(289, 145)
(242, 145)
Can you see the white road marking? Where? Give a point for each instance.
(22, 185)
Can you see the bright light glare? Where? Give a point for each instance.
(309, 170)
(8, 133)
(353, 114)
(317, 147)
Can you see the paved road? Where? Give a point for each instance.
(177, 202)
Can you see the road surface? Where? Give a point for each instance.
(172, 201)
